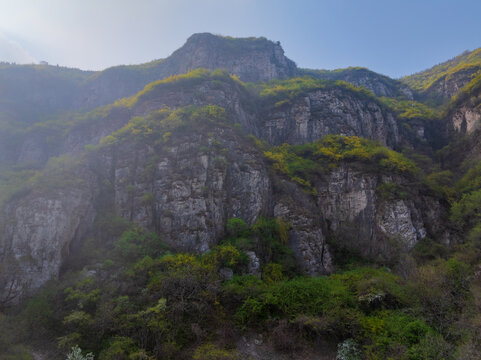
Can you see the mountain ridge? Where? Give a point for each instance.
(177, 219)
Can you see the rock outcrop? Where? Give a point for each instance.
(323, 112)
(188, 189)
(37, 231)
(464, 119)
(372, 226)
(186, 183)
(251, 59)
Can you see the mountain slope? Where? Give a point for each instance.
(443, 81)
(379, 84)
(198, 171)
(251, 59)
(192, 217)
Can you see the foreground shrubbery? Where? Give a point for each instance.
(147, 303)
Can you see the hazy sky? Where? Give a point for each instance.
(393, 37)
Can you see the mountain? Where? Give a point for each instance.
(222, 203)
(443, 81)
(379, 84)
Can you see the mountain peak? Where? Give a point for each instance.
(251, 59)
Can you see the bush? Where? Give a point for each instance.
(137, 243)
(237, 228)
(348, 350)
(76, 354)
(212, 352)
(301, 163)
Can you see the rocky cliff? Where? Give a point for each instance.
(177, 159)
(322, 112)
(184, 182)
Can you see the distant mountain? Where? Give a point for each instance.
(443, 81)
(379, 84)
(47, 88)
(250, 59)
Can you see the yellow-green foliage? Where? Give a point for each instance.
(471, 92)
(175, 81)
(280, 92)
(301, 162)
(422, 81)
(213, 352)
(471, 180)
(408, 109)
(273, 273)
(159, 125)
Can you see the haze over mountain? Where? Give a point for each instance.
(13, 52)
(382, 36)
(224, 203)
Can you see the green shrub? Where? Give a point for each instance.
(213, 352)
(119, 348)
(301, 163)
(348, 350)
(391, 191)
(76, 354)
(291, 298)
(273, 273)
(237, 228)
(137, 243)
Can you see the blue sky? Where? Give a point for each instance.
(395, 38)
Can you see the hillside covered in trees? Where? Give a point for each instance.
(223, 203)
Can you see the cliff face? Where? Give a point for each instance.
(324, 112)
(374, 226)
(251, 59)
(465, 119)
(305, 119)
(37, 231)
(185, 179)
(463, 114)
(189, 187)
(201, 180)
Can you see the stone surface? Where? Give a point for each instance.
(325, 112)
(38, 230)
(465, 119)
(364, 222)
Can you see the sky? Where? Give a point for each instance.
(392, 37)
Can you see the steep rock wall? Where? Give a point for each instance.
(324, 112)
(38, 229)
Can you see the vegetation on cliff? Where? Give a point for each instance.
(123, 294)
(469, 61)
(144, 302)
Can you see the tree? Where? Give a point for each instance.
(76, 354)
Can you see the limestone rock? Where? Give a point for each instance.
(325, 112)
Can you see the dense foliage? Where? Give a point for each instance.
(144, 302)
(126, 295)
